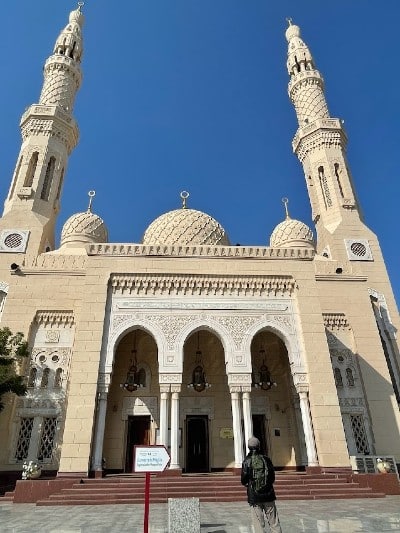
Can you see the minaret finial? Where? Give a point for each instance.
(91, 195)
(289, 20)
(80, 5)
(285, 202)
(184, 195)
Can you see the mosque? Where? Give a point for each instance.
(184, 339)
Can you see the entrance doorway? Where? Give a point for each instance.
(138, 433)
(197, 446)
(259, 431)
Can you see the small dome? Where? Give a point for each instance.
(292, 31)
(185, 226)
(84, 228)
(292, 233)
(77, 16)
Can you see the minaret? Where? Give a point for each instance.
(320, 144)
(49, 134)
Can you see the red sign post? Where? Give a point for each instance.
(150, 459)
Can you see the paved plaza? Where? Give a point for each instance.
(323, 516)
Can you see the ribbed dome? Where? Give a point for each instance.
(290, 233)
(84, 228)
(185, 226)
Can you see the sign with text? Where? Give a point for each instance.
(151, 458)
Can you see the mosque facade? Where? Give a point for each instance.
(184, 339)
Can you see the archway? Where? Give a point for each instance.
(131, 417)
(275, 410)
(205, 402)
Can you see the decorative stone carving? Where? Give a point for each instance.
(204, 285)
(170, 378)
(52, 335)
(351, 402)
(171, 325)
(300, 381)
(335, 321)
(58, 318)
(237, 325)
(257, 252)
(139, 406)
(51, 356)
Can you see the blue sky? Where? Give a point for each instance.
(192, 95)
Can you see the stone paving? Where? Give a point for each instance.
(322, 516)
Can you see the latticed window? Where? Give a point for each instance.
(32, 377)
(359, 433)
(45, 378)
(24, 438)
(338, 377)
(58, 378)
(350, 377)
(46, 446)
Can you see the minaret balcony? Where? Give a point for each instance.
(322, 125)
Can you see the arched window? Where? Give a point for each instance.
(349, 377)
(48, 178)
(141, 377)
(30, 174)
(60, 183)
(15, 178)
(58, 378)
(32, 377)
(338, 377)
(45, 378)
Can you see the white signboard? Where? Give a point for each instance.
(151, 458)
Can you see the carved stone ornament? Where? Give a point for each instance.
(241, 379)
(171, 325)
(352, 404)
(237, 326)
(58, 357)
(57, 318)
(170, 378)
(300, 381)
(52, 335)
(335, 321)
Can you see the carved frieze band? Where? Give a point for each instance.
(256, 252)
(59, 318)
(181, 285)
(335, 321)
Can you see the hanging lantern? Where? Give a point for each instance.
(199, 381)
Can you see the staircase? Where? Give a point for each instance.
(206, 487)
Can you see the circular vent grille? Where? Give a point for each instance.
(13, 240)
(358, 249)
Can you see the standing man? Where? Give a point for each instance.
(258, 476)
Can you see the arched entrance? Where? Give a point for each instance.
(132, 400)
(275, 412)
(205, 405)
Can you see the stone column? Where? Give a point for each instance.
(237, 426)
(34, 443)
(247, 418)
(300, 430)
(308, 428)
(97, 458)
(164, 401)
(175, 390)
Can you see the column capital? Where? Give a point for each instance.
(165, 389)
(103, 382)
(176, 388)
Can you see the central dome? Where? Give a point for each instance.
(185, 226)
